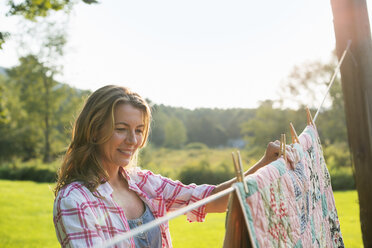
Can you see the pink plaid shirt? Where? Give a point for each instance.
(83, 220)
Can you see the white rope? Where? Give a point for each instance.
(169, 216)
(333, 78)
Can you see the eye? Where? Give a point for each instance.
(121, 129)
(139, 131)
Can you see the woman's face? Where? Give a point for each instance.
(126, 138)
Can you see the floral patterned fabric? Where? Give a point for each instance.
(293, 207)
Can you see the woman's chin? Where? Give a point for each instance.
(124, 163)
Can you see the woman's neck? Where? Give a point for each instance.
(117, 180)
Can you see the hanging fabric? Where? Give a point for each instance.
(290, 207)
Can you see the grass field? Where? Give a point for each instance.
(154, 159)
(26, 219)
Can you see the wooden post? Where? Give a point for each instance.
(351, 23)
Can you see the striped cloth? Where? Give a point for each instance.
(293, 207)
(83, 220)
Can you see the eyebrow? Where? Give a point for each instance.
(126, 124)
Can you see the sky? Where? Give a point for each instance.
(192, 54)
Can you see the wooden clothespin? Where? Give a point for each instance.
(239, 170)
(294, 134)
(282, 147)
(309, 117)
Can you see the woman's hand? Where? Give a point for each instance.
(272, 153)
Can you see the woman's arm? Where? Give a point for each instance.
(271, 154)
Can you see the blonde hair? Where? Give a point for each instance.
(81, 162)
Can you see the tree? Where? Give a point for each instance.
(39, 97)
(4, 120)
(266, 126)
(49, 52)
(70, 103)
(30, 10)
(204, 130)
(52, 40)
(34, 81)
(213, 127)
(3, 37)
(157, 134)
(175, 133)
(35, 94)
(4, 112)
(17, 136)
(24, 135)
(306, 86)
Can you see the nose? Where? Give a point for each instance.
(131, 138)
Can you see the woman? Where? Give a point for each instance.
(101, 192)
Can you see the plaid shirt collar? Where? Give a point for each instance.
(106, 190)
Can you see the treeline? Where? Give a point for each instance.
(37, 112)
(176, 127)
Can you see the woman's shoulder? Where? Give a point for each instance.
(140, 175)
(148, 180)
(74, 191)
(136, 172)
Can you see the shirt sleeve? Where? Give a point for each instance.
(75, 223)
(177, 195)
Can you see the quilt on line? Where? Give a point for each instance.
(293, 207)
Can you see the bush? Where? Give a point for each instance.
(196, 146)
(203, 174)
(338, 160)
(342, 178)
(33, 170)
(337, 155)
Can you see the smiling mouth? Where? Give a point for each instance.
(124, 152)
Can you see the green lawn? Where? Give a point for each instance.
(26, 219)
(348, 213)
(26, 215)
(198, 234)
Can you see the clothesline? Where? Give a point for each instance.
(333, 78)
(165, 218)
(174, 214)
